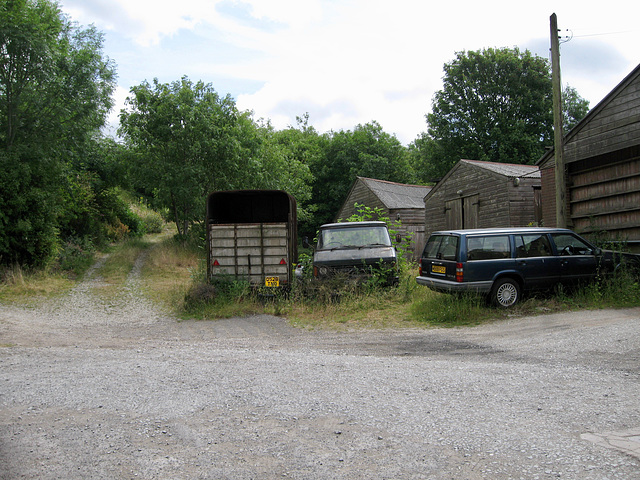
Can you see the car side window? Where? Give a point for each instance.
(488, 247)
(536, 245)
(570, 245)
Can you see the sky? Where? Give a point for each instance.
(350, 62)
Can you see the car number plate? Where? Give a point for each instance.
(439, 269)
(272, 281)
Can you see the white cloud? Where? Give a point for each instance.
(350, 61)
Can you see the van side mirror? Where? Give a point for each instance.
(597, 251)
(398, 238)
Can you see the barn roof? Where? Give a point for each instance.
(509, 170)
(397, 195)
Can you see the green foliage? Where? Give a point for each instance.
(451, 310)
(404, 247)
(495, 105)
(29, 207)
(366, 151)
(299, 148)
(574, 108)
(187, 141)
(55, 89)
(151, 220)
(182, 146)
(76, 255)
(621, 289)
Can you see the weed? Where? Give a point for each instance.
(452, 310)
(18, 285)
(175, 275)
(76, 256)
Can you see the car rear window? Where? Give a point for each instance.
(489, 247)
(442, 247)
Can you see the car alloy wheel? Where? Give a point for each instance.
(506, 293)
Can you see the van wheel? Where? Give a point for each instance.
(505, 293)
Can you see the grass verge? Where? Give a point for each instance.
(24, 286)
(174, 276)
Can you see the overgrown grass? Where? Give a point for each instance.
(619, 290)
(342, 306)
(452, 310)
(170, 270)
(174, 275)
(119, 263)
(23, 286)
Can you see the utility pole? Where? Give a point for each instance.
(558, 144)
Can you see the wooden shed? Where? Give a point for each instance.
(476, 194)
(602, 161)
(398, 201)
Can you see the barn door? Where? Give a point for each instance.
(453, 214)
(537, 205)
(470, 212)
(461, 213)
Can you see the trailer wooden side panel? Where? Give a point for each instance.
(251, 252)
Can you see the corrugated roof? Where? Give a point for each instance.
(509, 170)
(397, 195)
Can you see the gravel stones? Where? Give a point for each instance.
(93, 389)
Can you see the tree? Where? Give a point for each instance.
(298, 148)
(55, 92)
(187, 141)
(574, 108)
(366, 151)
(183, 142)
(495, 105)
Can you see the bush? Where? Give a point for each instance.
(76, 255)
(152, 221)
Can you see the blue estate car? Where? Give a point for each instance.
(502, 263)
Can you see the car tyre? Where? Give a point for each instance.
(505, 293)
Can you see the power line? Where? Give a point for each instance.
(607, 33)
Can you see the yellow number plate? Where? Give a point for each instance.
(272, 282)
(438, 269)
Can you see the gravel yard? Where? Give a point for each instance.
(121, 390)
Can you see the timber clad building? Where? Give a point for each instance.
(398, 201)
(476, 194)
(602, 160)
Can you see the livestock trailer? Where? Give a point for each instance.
(252, 236)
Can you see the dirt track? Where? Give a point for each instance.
(92, 389)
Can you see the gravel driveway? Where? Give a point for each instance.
(121, 390)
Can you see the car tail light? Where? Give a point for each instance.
(315, 271)
(459, 272)
(420, 267)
